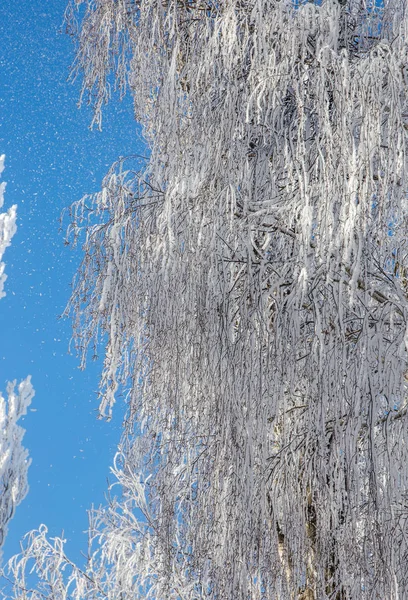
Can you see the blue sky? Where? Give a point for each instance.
(52, 159)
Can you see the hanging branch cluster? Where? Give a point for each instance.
(252, 285)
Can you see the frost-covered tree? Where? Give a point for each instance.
(14, 460)
(251, 282)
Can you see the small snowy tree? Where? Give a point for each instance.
(252, 285)
(14, 460)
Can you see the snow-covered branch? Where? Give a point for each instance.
(14, 461)
(7, 228)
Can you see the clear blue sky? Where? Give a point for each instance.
(52, 159)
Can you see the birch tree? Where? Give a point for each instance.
(250, 282)
(14, 460)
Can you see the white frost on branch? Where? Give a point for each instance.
(7, 228)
